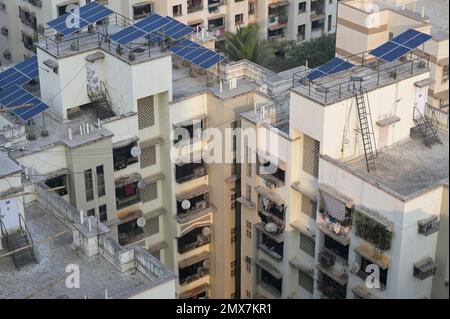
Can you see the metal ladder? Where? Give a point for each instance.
(366, 126)
(426, 128)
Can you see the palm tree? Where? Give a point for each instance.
(244, 44)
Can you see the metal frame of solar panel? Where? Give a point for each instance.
(335, 65)
(176, 30)
(141, 29)
(23, 104)
(20, 73)
(197, 54)
(87, 15)
(400, 45)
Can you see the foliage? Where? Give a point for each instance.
(372, 231)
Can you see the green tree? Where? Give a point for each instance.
(316, 51)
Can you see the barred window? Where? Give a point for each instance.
(148, 156)
(309, 206)
(150, 192)
(249, 230)
(146, 112)
(311, 151)
(248, 264)
(157, 254)
(306, 281)
(233, 268)
(233, 235)
(152, 226)
(307, 244)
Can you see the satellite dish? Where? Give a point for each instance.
(136, 152)
(206, 264)
(186, 204)
(271, 227)
(141, 222)
(206, 231)
(141, 184)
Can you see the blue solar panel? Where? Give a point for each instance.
(87, 15)
(197, 54)
(400, 45)
(141, 29)
(176, 30)
(20, 73)
(335, 65)
(23, 103)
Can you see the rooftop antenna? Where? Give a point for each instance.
(70, 134)
(221, 86)
(90, 226)
(81, 130)
(414, 7)
(81, 217)
(423, 12)
(99, 123)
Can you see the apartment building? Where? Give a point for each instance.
(278, 20)
(355, 184)
(106, 146)
(45, 241)
(364, 25)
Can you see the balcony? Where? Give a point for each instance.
(122, 156)
(270, 247)
(190, 171)
(193, 204)
(273, 176)
(331, 289)
(194, 6)
(317, 10)
(127, 191)
(130, 232)
(193, 269)
(373, 228)
(196, 238)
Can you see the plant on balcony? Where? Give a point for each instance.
(372, 231)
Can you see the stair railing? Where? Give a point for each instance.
(6, 237)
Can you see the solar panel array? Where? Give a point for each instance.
(21, 102)
(176, 30)
(20, 73)
(197, 54)
(334, 66)
(400, 45)
(141, 29)
(72, 22)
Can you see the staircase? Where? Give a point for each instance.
(19, 242)
(365, 122)
(427, 129)
(102, 101)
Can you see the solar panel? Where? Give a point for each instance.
(141, 29)
(335, 65)
(20, 73)
(23, 104)
(176, 30)
(400, 45)
(87, 15)
(197, 54)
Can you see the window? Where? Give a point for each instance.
(233, 200)
(336, 247)
(306, 281)
(177, 10)
(233, 235)
(248, 193)
(103, 213)
(301, 31)
(122, 157)
(309, 206)
(152, 226)
(239, 18)
(302, 7)
(249, 230)
(275, 284)
(311, 149)
(307, 244)
(330, 22)
(127, 195)
(146, 112)
(248, 264)
(142, 10)
(91, 212)
(150, 192)
(233, 268)
(251, 8)
(101, 181)
(248, 161)
(88, 185)
(57, 182)
(445, 73)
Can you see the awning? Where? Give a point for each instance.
(277, 237)
(193, 260)
(375, 216)
(272, 159)
(94, 57)
(281, 3)
(298, 226)
(197, 191)
(148, 143)
(270, 195)
(126, 142)
(190, 121)
(349, 203)
(339, 277)
(126, 180)
(194, 292)
(155, 213)
(364, 293)
(424, 83)
(51, 64)
(299, 264)
(302, 189)
(370, 253)
(388, 121)
(269, 268)
(195, 157)
(343, 240)
(157, 247)
(246, 203)
(130, 216)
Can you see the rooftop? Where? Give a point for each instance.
(8, 166)
(46, 280)
(405, 170)
(329, 90)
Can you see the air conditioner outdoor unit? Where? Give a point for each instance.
(326, 259)
(201, 205)
(199, 172)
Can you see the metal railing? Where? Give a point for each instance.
(439, 117)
